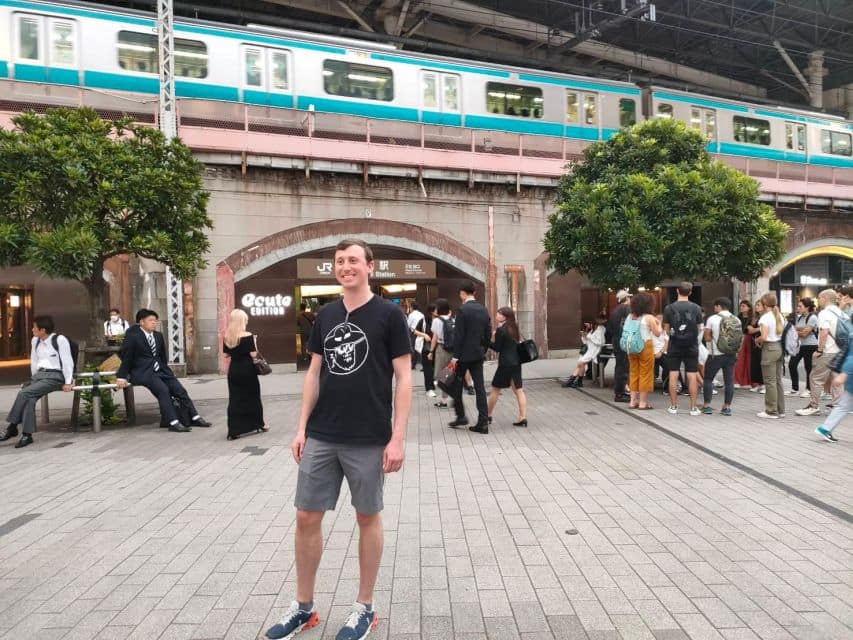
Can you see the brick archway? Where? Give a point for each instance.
(310, 237)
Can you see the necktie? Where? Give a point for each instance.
(153, 346)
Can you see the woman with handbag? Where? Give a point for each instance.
(593, 339)
(505, 340)
(245, 411)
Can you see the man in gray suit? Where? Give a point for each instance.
(473, 331)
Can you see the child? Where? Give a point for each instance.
(593, 338)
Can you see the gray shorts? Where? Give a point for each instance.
(323, 468)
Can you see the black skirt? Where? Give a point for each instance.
(504, 375)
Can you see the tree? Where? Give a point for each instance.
(76, 190)
(650, 204)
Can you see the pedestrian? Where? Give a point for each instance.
(756, 384)
(845, 300)
(473, 334)
(441, 344)
(359, 345)
(416, 324)
(770, 326)
(806, 326)
(827, 349)
(682, 321)
(245, 410)
(724, 336)
(505, 339)
(843, 379)
(51, 368)
(593, 339)
(143, 362)
(304, 321)
(426, 345)
(743, 376)
(659, 347)
(617, 319)
(115, 327)
(639, 329)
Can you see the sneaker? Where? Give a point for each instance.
(708, 411)
(792, 392)
(768, 416)
(807, 411)
(714, 392)
(805, 394)
(825, 396)
(359, 624)
(726, 411)
(694, 411)
(763, 391)
(826, 435)
(718, 384)
(294, 621)
(754, 389)
(672, 410)
(430, 393)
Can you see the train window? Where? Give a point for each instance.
(571, 106)
(590, 109)
(28, 38)
(62, 43)
(664, 110)
(138, 52)
(627, 112)
(836, 143)
(358, 80)
(450, 95)
(514, 100)
(254, 67)
(589, 102)
(795, 136)
(278, 71)
(429, 90)
(751, 130)
(704, 120)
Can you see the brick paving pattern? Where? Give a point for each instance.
(589, 525)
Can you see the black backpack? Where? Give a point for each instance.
(449, 325)
(75, 351)
(684, 334)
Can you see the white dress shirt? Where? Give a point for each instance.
(44, 356)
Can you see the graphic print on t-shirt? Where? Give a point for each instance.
(345, 348)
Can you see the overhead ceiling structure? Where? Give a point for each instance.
(787, 51)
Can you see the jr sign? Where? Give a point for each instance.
(312, 268)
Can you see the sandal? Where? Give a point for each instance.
(634, 406)
(264, 429)
(646, 408)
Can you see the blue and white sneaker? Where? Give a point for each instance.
(726, 411)
(826, 435)
(294, 621)
(708, 411)
(359, 624)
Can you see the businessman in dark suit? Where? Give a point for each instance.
(143, 362)
(472, 334)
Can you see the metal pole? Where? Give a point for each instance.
(169, 127)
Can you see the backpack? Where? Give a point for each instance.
(684, 334)
(449, 327)
(790, 340)
(75, 351)
(631, 341)
(842, 331)
(731, 335)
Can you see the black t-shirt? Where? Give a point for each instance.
(680, 311)
(354, 403)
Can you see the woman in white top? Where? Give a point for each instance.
(593, 338)
(770, 325)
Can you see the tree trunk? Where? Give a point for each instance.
(97, 306)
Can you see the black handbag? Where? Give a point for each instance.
(261, 365)
(527, 351)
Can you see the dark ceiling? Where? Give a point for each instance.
(726, 47)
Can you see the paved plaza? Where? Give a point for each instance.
(595, 523)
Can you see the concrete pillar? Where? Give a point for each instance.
(815, 74)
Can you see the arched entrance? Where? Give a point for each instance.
(276, 268)
(811, 267)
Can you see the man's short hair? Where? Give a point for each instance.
(302, 306)
(724, 303)
(145, 313)
(846, 290)
(346, 243)
(442, 306)
(114, 310)
(468, 287)
(685, 288)
(44, 322)
(414, 306)
(829, 296)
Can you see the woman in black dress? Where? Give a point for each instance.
(505, 339)
(245, 411)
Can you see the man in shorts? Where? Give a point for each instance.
(683, 323)
(358, 344)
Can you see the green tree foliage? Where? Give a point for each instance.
(649, 204)
(76, 190)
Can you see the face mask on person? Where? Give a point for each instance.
(114, 318)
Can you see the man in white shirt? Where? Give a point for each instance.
(115, 327)
(718, 360)
(415, 321)
(51, 369)
(827, 322)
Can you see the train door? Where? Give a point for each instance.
(705, 120)
(440, 98)
(253, 71)
(45, 49)
(583, 115)
(795, 137)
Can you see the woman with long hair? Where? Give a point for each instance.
(770, 326)
(505, 340)
(806, 326)
(641, 365)
(245, 411)
(755, 374)
(743, 377)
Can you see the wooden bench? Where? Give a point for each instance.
(95, 387)
(600, 362)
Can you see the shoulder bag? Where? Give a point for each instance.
(261, 365)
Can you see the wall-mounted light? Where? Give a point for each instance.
(14, 301)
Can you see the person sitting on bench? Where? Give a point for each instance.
(143, 362)
(52, 367)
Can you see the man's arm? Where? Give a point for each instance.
(821, 341)
(67, 362)
(34, 356)
(310, 393)
(125, 354)
(459, 335)
(395, 451)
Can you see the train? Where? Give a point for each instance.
(115, 50)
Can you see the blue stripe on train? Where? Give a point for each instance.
(578, 84)
(699, 102)
(443, 66)
(446, 119)
(368, 110)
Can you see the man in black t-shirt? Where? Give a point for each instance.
(683, 323)
(358, 344)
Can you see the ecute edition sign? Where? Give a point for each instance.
(272, 305)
